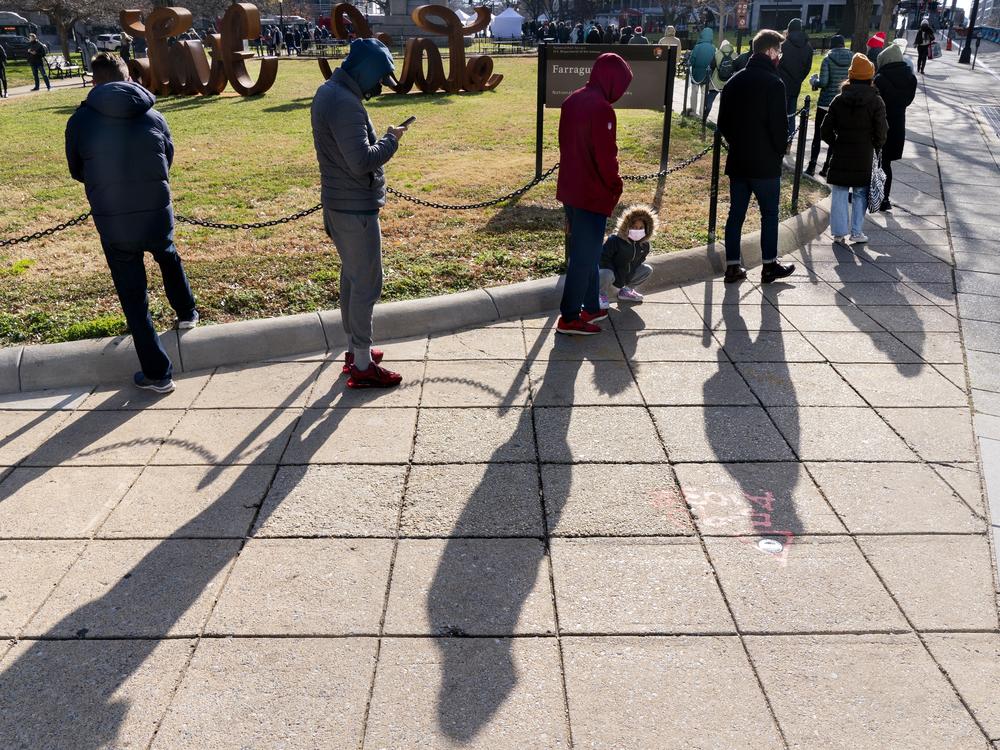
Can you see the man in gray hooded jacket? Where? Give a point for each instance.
(351, 161)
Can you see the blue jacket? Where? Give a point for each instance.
(119, 147)
(702, 56)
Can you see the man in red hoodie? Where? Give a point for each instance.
(589, 187)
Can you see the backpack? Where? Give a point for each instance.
(726, 67)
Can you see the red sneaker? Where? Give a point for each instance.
(597, 317)
(578, 327)
(373, 377)
(377, 355)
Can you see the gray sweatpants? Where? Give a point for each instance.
(607, 277)
(359, 243)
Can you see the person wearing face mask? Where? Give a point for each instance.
(351, 160)
(623, 260)
(752, 119)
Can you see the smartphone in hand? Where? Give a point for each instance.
(407, 122)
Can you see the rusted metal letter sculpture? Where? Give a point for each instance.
(183, 67)
(476, 75)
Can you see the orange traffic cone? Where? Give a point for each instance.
(948, 45)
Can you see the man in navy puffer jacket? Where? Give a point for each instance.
(120, 148)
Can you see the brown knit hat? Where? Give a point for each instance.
(861, 68)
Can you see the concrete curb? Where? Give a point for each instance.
(95, 361)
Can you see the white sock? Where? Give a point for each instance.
(363, 358)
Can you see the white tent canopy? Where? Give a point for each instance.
(507, 25)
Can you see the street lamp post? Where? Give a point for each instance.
(281, 19)
(966, 57)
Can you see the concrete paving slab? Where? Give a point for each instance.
(481, 383)
(977, 307)
(973, 282)
(547, 345)
(475, 435)
(873, 347)
(636, 586)
(485, 694)
(569, 435)
(939, 348)
(984, 370)
(31, 571)
(64, 399)
(965, 479)
(817, 293)
(79, 694)
(941, 582)
(977, 261)
(936, 272)
(597, 383)
(271, 692)
(885, 385)
(874, 498)
(981, 336)
(482, 343)
(860, 690)
(317, 587)
(24, 431)
(121, 397)
(476, 587)
(409, 349)
(479, 500)
(662, 317)
(229, 436)
(935, 434)
(331, 391)
(838, 434)
(847, 272)
(972, 661)
(889, 294)
(647, 501)
(955, 374)
(738, 321)
(717, 292)
(762, 498)
(828, 318)
(618, 688)
(61, 502)
(201, 502)
(266, 386)
(768, 346)
(669, 346)
(986, 402)
(898, 318)
(377, 436)
(128, 589)
(317, 501)
(766, 591)
(899, 254)
(692, 383)
(720, 433)
(806, 384)
(672, 295)
(97, 438)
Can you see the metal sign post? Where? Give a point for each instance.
(540, 107)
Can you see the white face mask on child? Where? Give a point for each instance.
(637, 234)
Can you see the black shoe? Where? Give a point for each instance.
(734, 274)
(885, 205)
(774, 271)
(811, 169)
(35, 89)
(824, 170)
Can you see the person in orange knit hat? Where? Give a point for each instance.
(854, 127)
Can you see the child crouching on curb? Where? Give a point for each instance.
(623, 258)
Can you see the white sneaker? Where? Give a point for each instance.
(840, 240)
(603, 299)
(859, 239)
(628, 294)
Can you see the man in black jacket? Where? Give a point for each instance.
(796, 62)
(36, 59)
(752, 120)
(119, 147)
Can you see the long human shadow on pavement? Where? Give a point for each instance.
(73, 704)
(767, 488)
(479, 675)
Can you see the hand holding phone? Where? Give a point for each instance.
(408, 121)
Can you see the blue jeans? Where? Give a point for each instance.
(767, 191)
(709, 101)
(838, 210)
(35, 70)
(586, 239)
(129, 274)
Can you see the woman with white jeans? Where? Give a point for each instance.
(855, 127)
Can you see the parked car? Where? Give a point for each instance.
(109, 42)
(15, 46)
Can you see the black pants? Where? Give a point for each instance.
(129, 274)
(887, 168)
(922, 57)
(817, 139)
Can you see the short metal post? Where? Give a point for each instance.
(540, 109)
(687, 83)
(668, 106)
(800, 155)
(713, 203)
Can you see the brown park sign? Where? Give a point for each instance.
(181, 66)
(567, 68)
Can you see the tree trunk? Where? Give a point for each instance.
(63, 29)
(847, 20)
(885, 24)
(862, 25)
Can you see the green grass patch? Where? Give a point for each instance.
(106, 325)
(16, 268)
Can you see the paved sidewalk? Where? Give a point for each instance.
(738, 518)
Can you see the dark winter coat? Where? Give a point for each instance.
(36, 53)
(925, 37)
(832, 74)
(623, 255)
(594, 36)
(119, 147)
(3, 57)
(588, 147)
(854, 127)
(897, 86)
(796, 60)
(753, 120)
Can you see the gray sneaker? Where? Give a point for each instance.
(188, 323)
(166, 385)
